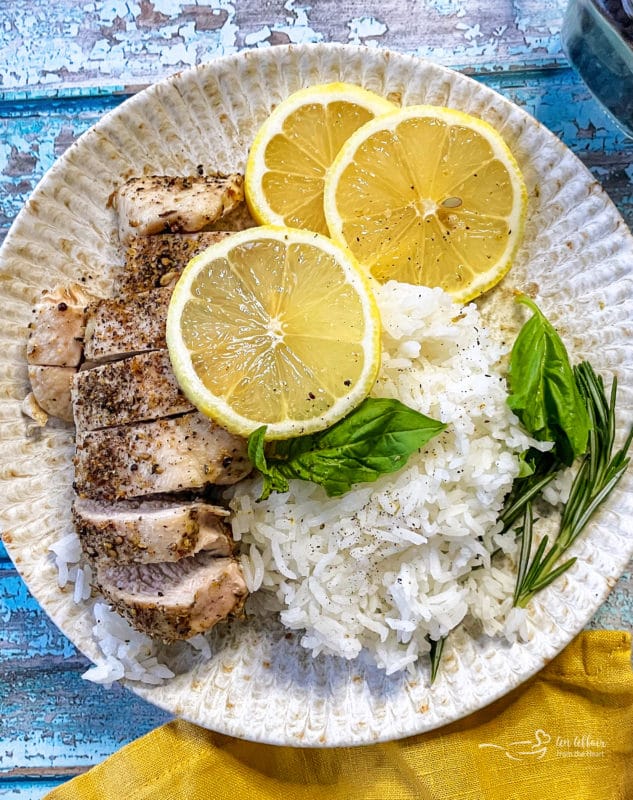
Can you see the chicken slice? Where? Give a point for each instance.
(54, 350)
(152, 261)
(119, 327)
(167, 455)
(175, 600)
(134, 389)
(150, 531)
(164, 204)
(51, 388)
(56, 333)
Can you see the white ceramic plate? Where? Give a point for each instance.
(577, 253)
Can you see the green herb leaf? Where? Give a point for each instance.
(526, 465)
(536, 470)
(376, 438)
(600, 471)
(543, 390)
(435, 655)
(273, 481)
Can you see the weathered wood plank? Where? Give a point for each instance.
(27, 635)
(69, 42)
(29, 789)
(617, 612)
(53, 723)
(4, 556)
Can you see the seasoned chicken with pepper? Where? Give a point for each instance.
(54, 349)
(154, 261)
(159, 203)
(175, 600)
(123, 326)
(161, 554)
(167, 455)
(151, 531)
(136, 389)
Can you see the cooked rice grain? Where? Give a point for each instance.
(407, 557)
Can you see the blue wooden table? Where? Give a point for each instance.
(62, 65)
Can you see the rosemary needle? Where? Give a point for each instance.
(599, 473)
(435, 654)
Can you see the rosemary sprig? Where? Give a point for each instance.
(524, 490)
(599, 472)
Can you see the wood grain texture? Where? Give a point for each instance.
(54, 723)
(120, 42)
(30, 788)
(62, 66)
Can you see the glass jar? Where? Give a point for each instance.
(597, 37)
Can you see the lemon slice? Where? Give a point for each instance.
(277, 327)
(295, 146)
(428, 195)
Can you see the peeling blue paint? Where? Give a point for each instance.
(364, 30)
(296, 29)
(448, 8)
(20, 612)
(33, 134)
(110, 38)
(33, 790)
(125, 42)
(54, 706)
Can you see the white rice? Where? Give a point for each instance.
(392, 563)
(408, 557)
(126, 653)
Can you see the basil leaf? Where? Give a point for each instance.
(376, 438)
(273, 481)
(543, 390)
(526, 466)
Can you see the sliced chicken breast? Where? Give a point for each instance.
(51, 388)
(56, 333)
(134, 389)
(167, 455)
(150, 531)
(161, 204)
(152, 261)
(120, 327)
(175, 600)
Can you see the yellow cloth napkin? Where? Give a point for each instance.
(567, 734)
